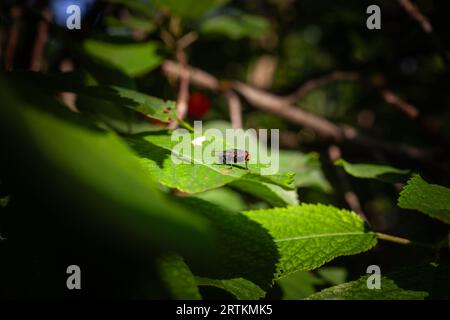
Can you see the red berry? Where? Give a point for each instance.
(199, 105)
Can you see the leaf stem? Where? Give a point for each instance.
(403, 241)
(185, 125)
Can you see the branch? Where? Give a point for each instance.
(378, 82)
(278, 106)
(234, 105)
(313, 84)
(394, 100)
(334, 153)
(183, 91)
(13, 38)
(41, 40)
(415, 13)
(196, 76)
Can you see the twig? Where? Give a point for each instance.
(334, 153)
(39, 44)
(196, 76)
(187, 40)
(69, 98)
(403, 241)
(313, 84)
(234, 104)
(415, 13)
(276, 105)
(13, 38)
(388, 95)
(183, 91)
(394, 100)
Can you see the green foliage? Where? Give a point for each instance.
(372, 171)
(272, 193)
(89, 164)
(409, 284)
(357, 290)
(134, 59)
(431, 199)
(299, 285)
(223, 197)
(242, 289)
(307, 169)
(149, 106)
(307, 236)
(178, 278)
(189, 8)
(236, 26)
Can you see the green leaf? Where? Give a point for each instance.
(178, 278)
(357, 290)
(241, 288)
(236, 26)
(192, 174)
(244, 248)
(334, 275)
(134, 59)
(309, 235)
(106, 103)
(94, 172)
(223, 197)
(147, 105)
(431, 199)
(307, 169)
(189, 8)
(414, 283)
(372, 171)
(299, 285)
(272, 193)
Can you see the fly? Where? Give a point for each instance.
(233, 156)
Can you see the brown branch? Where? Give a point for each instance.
(39, 44)
(352, 200)
(378, 82)
(196, 76)
(394, 100)
(415, 13)
(313, 84)
(68, 98)
(183, 91)
(234, 105)
(13, 38)
(278, 106)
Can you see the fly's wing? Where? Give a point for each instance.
(222, 157)
(239, 155)
(231, 156)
